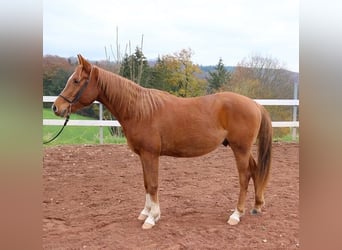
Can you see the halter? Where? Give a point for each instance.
(73, 101)
(78, 95)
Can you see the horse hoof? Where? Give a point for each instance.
(255, 211)
(233, 221)
(146, 226)
(142, 217)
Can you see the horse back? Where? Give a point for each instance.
(195, 126)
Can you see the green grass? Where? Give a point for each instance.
(286, 138)
(77, 134)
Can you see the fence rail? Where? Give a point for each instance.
(111, 123)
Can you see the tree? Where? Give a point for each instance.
(56, 71)
(264, 78)
(135, 67)
(261, 77)
(132, 66)
(218, 77)
(54, 84)
(178, 75)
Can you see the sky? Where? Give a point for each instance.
(229, 29)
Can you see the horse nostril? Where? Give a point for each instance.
(54, 108)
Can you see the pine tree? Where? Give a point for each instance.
(135, 67)
(218, 77)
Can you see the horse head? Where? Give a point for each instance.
(79, 91)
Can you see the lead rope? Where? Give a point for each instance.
(60, 131)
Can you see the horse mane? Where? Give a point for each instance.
(129, 97)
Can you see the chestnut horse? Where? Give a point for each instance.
(157, 123)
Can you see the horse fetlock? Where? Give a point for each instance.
(152, 214)
(259, 203)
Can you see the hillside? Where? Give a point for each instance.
(52, 63)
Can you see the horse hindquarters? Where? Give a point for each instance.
(247, 167)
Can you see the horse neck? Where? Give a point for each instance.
(122, 97)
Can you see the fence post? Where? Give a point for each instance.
(294, 113)
(101, 118)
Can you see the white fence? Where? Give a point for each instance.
(110, 123)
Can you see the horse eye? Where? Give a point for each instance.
(76, 81)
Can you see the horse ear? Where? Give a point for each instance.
(84, 63)
(79, 57)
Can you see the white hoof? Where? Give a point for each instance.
(149, 222)
(147, 226)
(234, 219)
(143, 215)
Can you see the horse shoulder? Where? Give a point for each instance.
(142, 135)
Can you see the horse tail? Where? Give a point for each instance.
(264, 148)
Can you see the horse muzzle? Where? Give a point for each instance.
(60, 112)
(54, 108)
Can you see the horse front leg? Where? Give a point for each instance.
(151, 212)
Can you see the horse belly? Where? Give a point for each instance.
(191, 143)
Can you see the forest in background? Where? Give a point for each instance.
(255, 76)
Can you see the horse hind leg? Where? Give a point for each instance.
(258, 188)
(242, 161)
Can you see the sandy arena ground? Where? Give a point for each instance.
(92, 196)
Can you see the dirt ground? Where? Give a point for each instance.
(92, 196)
